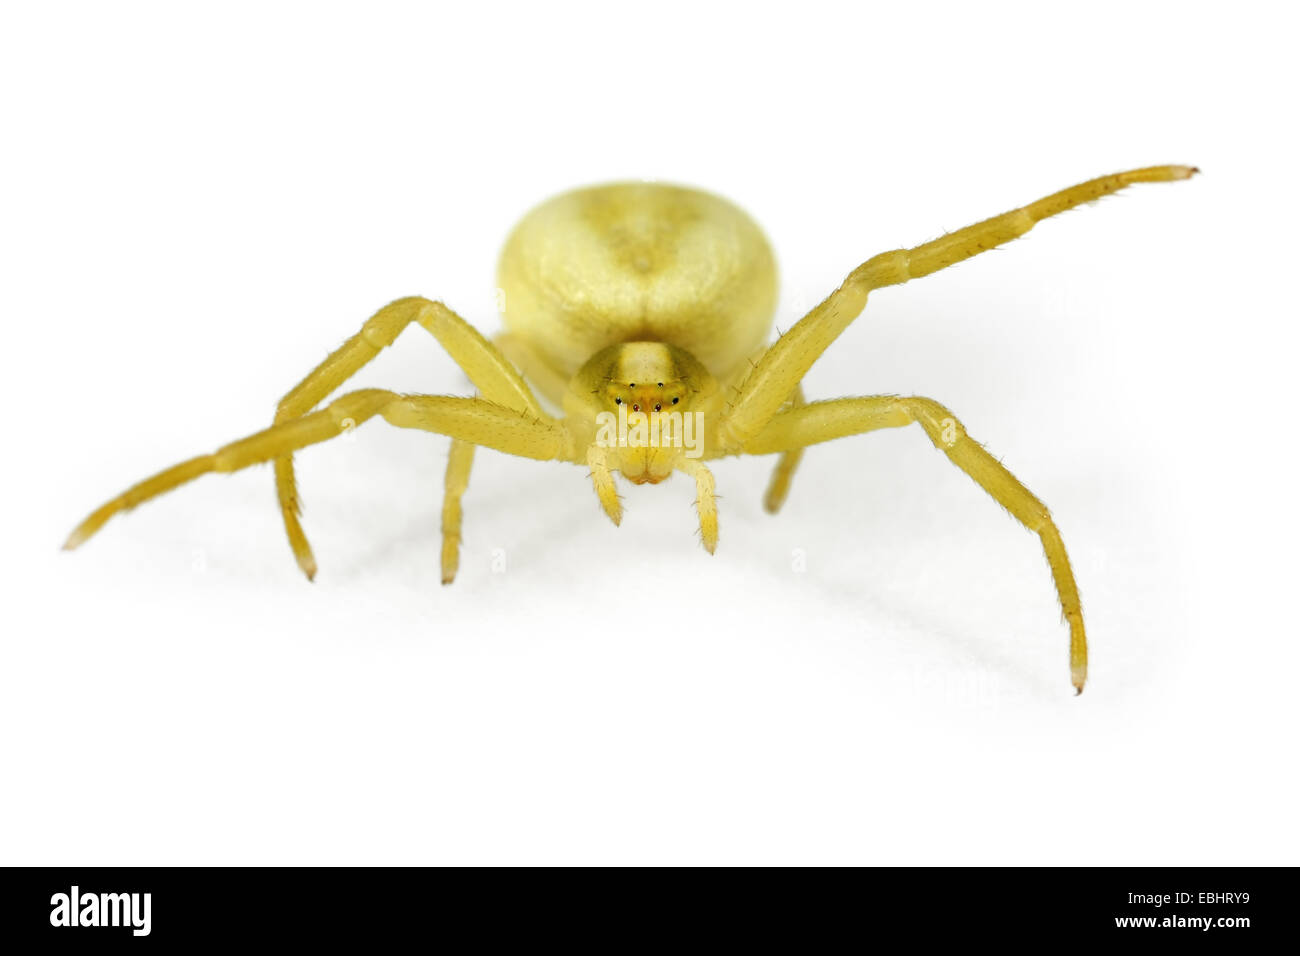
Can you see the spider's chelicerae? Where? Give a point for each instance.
(643, 311)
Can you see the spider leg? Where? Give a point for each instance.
(472, 420)
(495, 378)
(460, 457)
(783, 366)
(779, 486)
(823, 421)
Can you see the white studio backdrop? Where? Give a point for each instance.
(200, 203)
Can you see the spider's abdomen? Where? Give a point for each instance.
(632, 262)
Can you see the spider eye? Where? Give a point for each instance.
(618, 401)
(676, 400)
(658, 407)
(636, 408)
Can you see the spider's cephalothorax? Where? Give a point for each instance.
(644, 407)
(644, 312)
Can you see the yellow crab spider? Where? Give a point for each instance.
(644, 310)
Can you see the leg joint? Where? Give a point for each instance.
(888, 268)
(382, 328)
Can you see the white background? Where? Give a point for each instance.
(198, 206)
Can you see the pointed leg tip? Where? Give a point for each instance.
(79, 535)
(83, 531)
(306, 561)
(1186, 172)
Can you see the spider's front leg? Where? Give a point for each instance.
(491, 373)
(822, 421)
(774, 377)
(473, 420)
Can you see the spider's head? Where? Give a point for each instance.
(645, 401)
